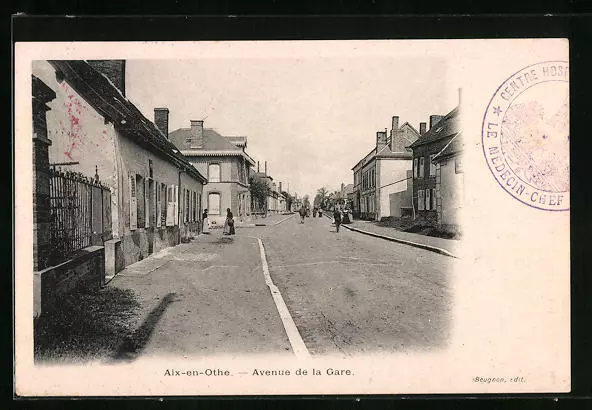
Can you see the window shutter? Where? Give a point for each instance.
(158, 204)
(170, 210)
(175, 205)
(146, 204)
(428, 199)
(421, 167)
(421, 200)
(133, 203)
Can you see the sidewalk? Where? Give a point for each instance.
(202, 298)
(440, 245)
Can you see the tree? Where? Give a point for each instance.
(259, 192)
(321, 198)
(306, 201)
(289, 200)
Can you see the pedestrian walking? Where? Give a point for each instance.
(302, 213)
(337, 218)
(205, 228)
(229, 223)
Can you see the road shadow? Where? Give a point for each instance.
(133, 344)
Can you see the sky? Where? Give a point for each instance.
(312, 118)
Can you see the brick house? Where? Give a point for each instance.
(94, 129)
(381, 178)
(426, 177)
(225, 163)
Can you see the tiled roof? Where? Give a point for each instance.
(213, 144)
(446, 127)
(454, 146)
(212, 140)
(240, 142)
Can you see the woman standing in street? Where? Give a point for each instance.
(205, 222)
(229, 223)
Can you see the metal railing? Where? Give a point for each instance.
(80, 214)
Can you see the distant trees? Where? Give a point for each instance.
(259, 190)
(306, 201)
(289, 200)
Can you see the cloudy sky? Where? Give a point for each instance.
(312, 118)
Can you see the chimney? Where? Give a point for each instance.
(161, 119)
(257, 166)
(459, 96)
(280, 186)
(196, 133)
(265, 168)
(380, 140)
(422, 128)
(114, 70)
(395, 123)
(434, 119)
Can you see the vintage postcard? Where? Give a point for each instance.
(292, 217)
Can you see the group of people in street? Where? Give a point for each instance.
(337, 215)
(228, 223)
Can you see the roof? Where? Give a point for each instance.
(108, 101)
(214, 144)
(240, 142)
(446, 127)
(454, 146)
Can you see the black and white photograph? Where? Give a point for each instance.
(292, 217)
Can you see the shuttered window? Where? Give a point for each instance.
(421, 200)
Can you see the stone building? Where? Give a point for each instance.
(226, 165)
(381, 178)
(431, 155)
(93, 129)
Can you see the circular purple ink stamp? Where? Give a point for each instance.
(525, 135)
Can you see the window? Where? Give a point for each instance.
(421, 200)
(432, 166)
(421, 167)
(163, 198)
(434, 202)
(214, 203)
(172, 208)
(194, 206)
(214, 173)
(133, 203)
(151, 221)
(415, 167)
(458, 166)
(141, 202)
(428, 199)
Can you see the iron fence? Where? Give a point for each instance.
(80, 214)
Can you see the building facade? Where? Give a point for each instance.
(381, 178)
(226, 165)
(428, 152)
(95, 130)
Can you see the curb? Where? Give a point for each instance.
(402, 241)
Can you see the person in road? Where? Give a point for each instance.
(302, 213)
(229, 223)
(337, 218)
(205, 222)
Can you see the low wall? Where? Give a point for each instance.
(85, 270)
